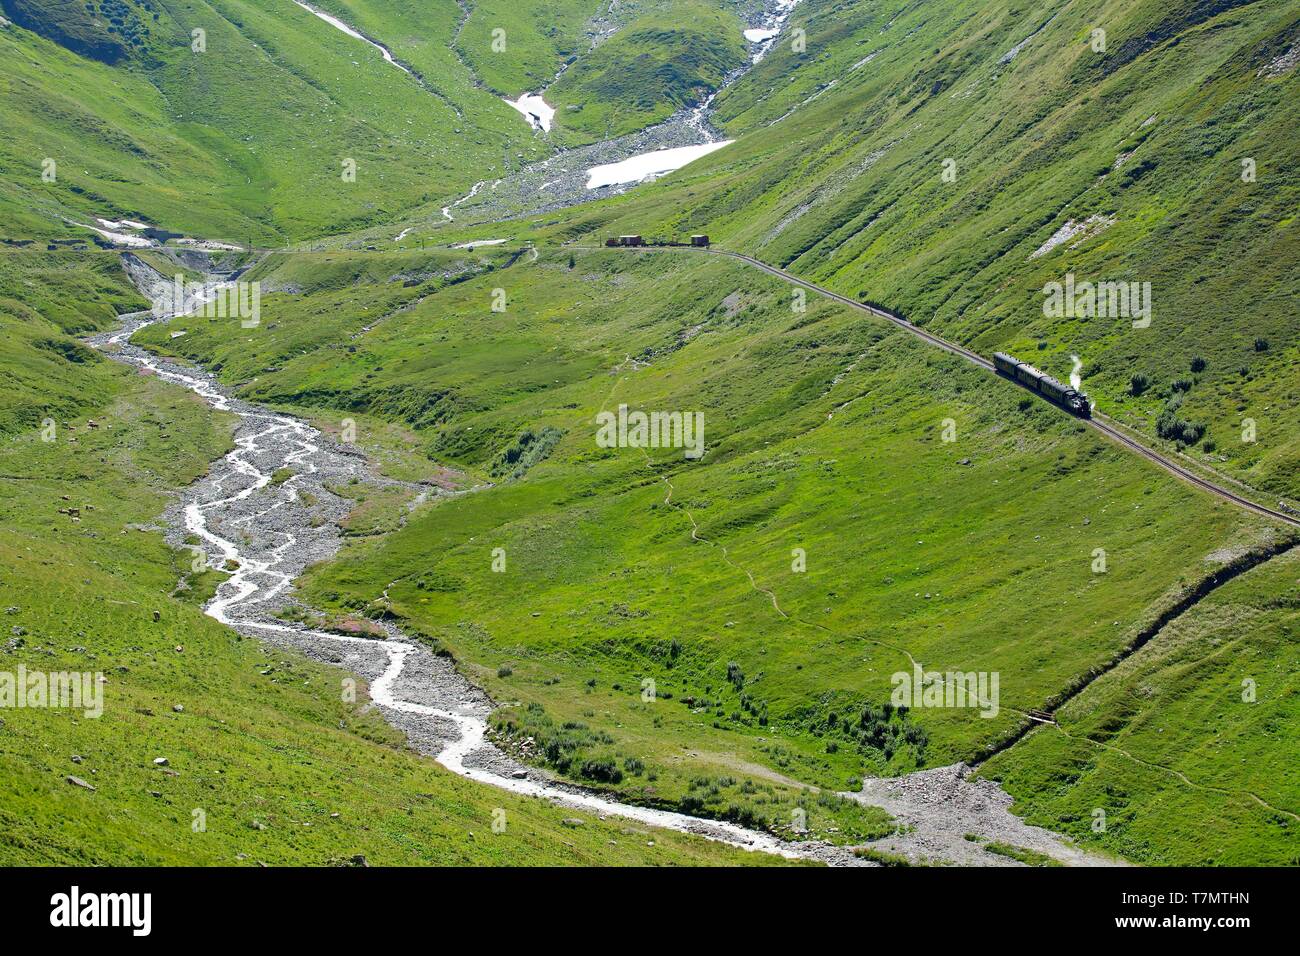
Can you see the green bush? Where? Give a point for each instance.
(529, 448)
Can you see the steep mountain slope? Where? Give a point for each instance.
(262, 121)
(666, 60)
(240, 131)
(1120, 165)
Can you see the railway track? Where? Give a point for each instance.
(1099, 421)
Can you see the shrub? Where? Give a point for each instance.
(505, 670)
(529, 448)
(1261, 345)
(1172, 428)
(1198, 364)
(1138, 383)
(736, 675)
(602, 769)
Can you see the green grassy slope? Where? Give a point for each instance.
(848, 189)
(538, 37)
(246, 138)
(1197, 727)
(825, 432)
(283, 771)
(658, 64)
(46, 299)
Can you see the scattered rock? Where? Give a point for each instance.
(160, 761)
(78, 782)
(178, 708)
(76, 758)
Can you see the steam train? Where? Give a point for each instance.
(1074, 402)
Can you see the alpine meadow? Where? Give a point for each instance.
(598, 433)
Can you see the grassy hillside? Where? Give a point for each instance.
(655, 66)
(840, 177)
(242, 141)
(248, 138)
(240, 131)
(260, 742)
(825, 432)
(537, 38)
(1198, 727)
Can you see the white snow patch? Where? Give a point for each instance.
(758, 36)
(473, 244)
(118, 238)
(634, 169)
(535, 110)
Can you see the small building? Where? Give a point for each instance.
(700, 240)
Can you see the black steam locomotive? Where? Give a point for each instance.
(1072, 401)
